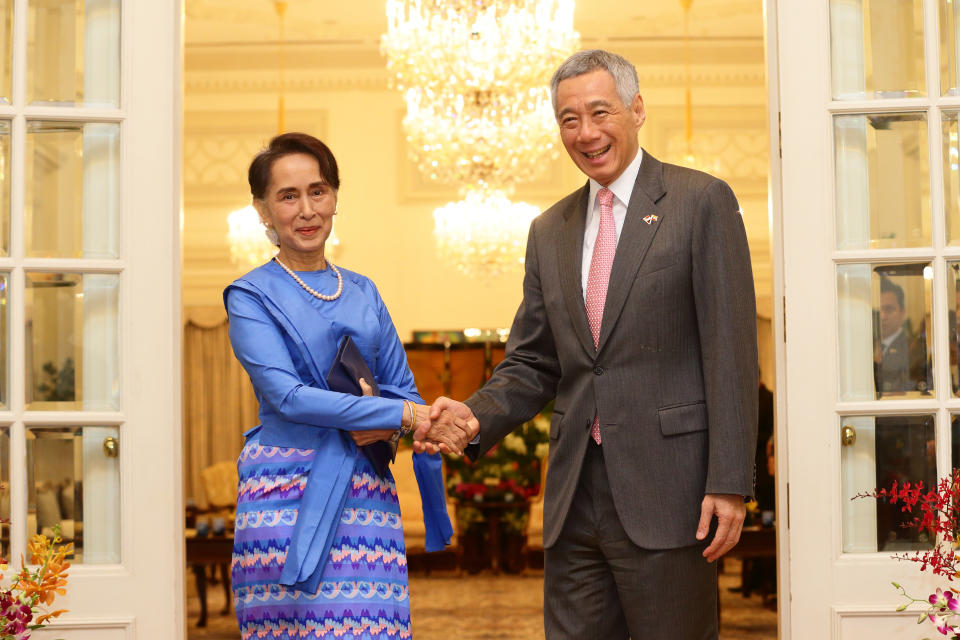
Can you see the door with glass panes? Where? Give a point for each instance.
(89, 306)
(869, 106)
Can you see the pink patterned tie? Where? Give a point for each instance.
(603, 251)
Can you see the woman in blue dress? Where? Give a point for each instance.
(318, 544)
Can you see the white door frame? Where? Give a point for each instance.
(775, 185)
(823, 592)
(142, 597)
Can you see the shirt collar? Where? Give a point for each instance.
(622, 187)
(893, 336)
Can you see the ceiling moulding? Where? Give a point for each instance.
(378, 80)
(341, 55)
(301, 82)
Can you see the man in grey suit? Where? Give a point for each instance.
(638, 316)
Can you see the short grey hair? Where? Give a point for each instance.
(583, 62)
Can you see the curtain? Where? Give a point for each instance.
(218, 400)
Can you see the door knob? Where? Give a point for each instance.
(848, 435)
(111, 448)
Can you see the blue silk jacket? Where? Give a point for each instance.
(286, 339)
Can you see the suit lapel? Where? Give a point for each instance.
(570, 259)
(635, 239)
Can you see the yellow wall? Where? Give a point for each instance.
(386, 208)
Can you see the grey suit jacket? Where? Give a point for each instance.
(674, 380)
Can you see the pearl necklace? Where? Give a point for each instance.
(308, 288)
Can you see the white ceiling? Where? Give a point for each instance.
(363, 21)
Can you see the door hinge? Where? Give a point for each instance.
(784, 299)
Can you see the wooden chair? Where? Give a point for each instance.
(220, 486)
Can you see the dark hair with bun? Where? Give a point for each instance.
(288, 144)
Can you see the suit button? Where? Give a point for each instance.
(598, 371)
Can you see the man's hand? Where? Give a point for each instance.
(730, 511)
(443, 410)
(445, 433)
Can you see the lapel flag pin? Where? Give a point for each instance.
(651, 218)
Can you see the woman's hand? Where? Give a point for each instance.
(365, 388)
(369, 436)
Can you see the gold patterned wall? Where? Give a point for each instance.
(336, 87)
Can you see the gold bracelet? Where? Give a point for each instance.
(413, 416)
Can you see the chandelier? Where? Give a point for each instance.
(246, 233)
(248, 242)
(686, 154)
(474, 76)
(484, 232)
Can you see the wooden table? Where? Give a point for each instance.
(492, 511)
(215, 550)
(756, 542)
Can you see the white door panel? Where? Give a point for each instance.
(90, 306)
(869, 302)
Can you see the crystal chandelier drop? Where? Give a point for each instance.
(248, 244)
(474, 75)
(484, 233)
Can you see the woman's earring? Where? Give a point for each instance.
(272, 236)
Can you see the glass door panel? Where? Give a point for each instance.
(878, 451)
(877, 49)
(6, 51)
(74, 482)
(4, 494)
(73, 53)
(949, 30)
(883, 181)
(884, 337)
(4, 187)
(4, 343)
(951, 175)
(73, 190)
(72, 341)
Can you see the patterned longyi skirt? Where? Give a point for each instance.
(363, 593)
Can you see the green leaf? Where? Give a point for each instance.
(896, 585)
(903, 606)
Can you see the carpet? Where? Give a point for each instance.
(488, 607)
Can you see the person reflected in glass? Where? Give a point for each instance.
(900, 357)
(318, 544)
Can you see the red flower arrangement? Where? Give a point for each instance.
(509, 472)
(936, 512)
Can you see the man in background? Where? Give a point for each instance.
(900, 361)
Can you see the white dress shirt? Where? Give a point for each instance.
(622, 187)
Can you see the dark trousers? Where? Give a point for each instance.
(599, 585)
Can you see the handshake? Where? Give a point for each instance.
(446, 426)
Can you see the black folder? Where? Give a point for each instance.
(344, 376)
